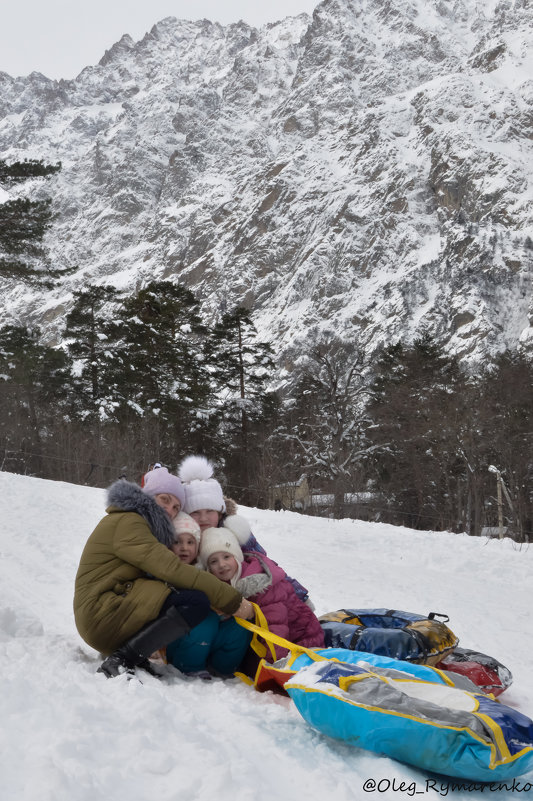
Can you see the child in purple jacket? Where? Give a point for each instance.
(262, 581)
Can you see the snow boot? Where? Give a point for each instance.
(137, 649)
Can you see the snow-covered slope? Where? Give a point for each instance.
(68, 734)
(368, 170)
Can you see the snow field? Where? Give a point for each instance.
(68, 734)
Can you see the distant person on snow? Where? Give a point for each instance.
(218, 644)
(261, 580)
(132, 594)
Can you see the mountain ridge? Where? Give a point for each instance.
(364, 172)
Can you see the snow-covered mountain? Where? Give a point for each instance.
(367, 170)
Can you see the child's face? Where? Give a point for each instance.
(186, 548)
(222, 565)
(206, 518)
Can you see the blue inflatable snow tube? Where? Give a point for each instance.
(417, 719)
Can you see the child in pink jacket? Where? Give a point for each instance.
(261, 580)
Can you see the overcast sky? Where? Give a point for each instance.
(61, 37)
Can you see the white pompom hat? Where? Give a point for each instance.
(202, 491)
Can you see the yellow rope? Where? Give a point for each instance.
(261, 631)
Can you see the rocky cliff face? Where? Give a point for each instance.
(366, 171)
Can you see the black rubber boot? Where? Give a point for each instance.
(135, 652)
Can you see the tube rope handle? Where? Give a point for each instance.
(260, 630)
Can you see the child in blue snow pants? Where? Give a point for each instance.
(217, 645)
(214, 645)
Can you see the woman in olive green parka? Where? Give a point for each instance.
(134, 595)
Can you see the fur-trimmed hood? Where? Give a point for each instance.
(231, 506)
(126, 496)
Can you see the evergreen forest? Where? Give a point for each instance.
(412, 438)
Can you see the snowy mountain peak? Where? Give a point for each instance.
(365, 170)
(117, 51)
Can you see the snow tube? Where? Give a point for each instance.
(274, 676)
(390, 632)
(486, 672)
(427, 724)
(414, 638)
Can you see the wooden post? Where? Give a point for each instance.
(497, 473)
(500, 506)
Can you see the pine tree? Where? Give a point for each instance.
(20, 171)
(240, 366)
(156, 368)
(325, 420)
(240, 363)
(416, 408)
(24, 223)
(36, 393)
(87, 333)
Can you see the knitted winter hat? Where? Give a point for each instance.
(219, 539)
(160, 481)
(184, 524)
(202, 491)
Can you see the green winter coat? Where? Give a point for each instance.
(113, 596)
